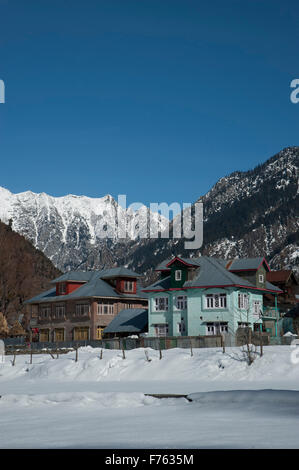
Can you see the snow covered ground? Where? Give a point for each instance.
(101, 403)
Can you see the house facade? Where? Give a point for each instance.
(206, 296)
(82, 303)
(287, 282)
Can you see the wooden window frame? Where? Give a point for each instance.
(82, 310)
(129, 286)
(243, 301)
(108, 307)
(161, 304)
(216, 301)
(182, 302)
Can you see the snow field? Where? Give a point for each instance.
(60, 403)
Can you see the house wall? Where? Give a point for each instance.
(253, 276)
(71, 320)
(197, 314)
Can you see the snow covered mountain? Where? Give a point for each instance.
(75, 231)
(246, 214)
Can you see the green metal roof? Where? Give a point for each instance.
(93, 285)
(210, 272)
(245, 263)
(118, 272)
(85, 276)
(131, 320)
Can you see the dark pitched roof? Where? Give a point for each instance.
(118, 272)
(270, 286)
(79, 276)
(93, 285)
(280, 276)
(210, 272)
(131, 320)
(163, 266)
(162, 284)
(246, 263)
(85, 276)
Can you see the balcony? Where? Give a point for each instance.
(271, 313)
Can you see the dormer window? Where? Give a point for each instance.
(129, 286)
(261, 278)
(62, 288)
(178, 275)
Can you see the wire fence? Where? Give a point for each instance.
(157, 343)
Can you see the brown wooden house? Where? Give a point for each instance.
(286, 281)
(82, 303)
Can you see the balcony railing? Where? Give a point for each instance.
(271, 312)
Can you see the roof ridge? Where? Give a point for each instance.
(225, 272)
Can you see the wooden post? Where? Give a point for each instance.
(101, 354)
(76, 360)
(249, 335)
(30, 355)
(261, 343)
(160, 351)
(147, 357)
(191, 347)
(123, 350)
(14, 359)
(51, 354)
(223, 343)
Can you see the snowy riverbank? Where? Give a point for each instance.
(101, 403)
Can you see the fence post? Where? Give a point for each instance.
(160, 351)
(14, 359)
(147, 357)
(191, 347)
(101, 354)
(223, 343)
(261, 343)
(123, 350)
(76, 360)
(30, 354)
(51, 354)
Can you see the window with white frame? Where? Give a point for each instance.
(257, 307)
(223, 327)
(178, 275)
(161, 304)
(242, 324)
(59, 311)
(216, 328)
(216, 301)
(105, 309)
(82, 309)
(210, 329)
(46, 312)
(129, 286)
(62, 288)
(181, 328)
(181, 302)
(261, 278)
(243, 301)
(161, 330)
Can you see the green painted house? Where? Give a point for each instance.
(207, 296)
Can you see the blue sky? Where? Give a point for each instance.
(154, 99)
